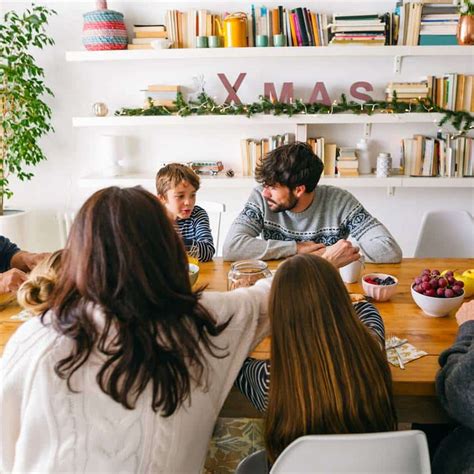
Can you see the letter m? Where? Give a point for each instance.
(286, 95)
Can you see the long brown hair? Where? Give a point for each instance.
(328, 373)
(124, 258)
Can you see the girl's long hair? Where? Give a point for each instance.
(328, 373)
(125, 261)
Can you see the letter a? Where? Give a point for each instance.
(320, 88)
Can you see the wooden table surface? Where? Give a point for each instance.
(414, 385)
(401, 315)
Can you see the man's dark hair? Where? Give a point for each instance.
(291, 165)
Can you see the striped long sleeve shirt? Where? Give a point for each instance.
(254, 376)
(196, 232)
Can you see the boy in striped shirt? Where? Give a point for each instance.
(176, 188)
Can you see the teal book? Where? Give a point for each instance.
(438, 40)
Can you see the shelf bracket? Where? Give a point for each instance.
(367, 130)
(397, 64)
(301, 132)
(391, 191)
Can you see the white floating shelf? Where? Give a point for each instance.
(147, 180)
(286, 52)
(259, 119)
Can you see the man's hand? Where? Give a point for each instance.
(341, 253)
(11, 280)
(465, 313)
(310, 247)
(26, 261)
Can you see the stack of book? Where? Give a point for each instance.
(441, 156)
(439, 23)
(453, 91)
(326, 152)
(407, 91)
(427, 22)
(145, 34)
(367, 30)
(347, 162)
(163, 95)
(254, 150)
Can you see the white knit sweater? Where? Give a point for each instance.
(47, 428)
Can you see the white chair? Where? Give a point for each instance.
(214, 210)
(446, 234)
(372, 453)
(65, 220)
(394, 452)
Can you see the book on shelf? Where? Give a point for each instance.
(451, 91)
(139, 46)
(150, 35)
(426, 23)
(149, 28)
(440, 156)
(347, 154)
(253, 151)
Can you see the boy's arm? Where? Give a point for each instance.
(203, 236)
(242, 242)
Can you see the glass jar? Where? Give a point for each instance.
(246, 273)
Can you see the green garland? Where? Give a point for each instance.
(205, 105)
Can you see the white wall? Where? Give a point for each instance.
(75, 152)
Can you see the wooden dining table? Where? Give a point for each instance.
(414, 387)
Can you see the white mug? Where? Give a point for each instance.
(352, 272)
(161, 43)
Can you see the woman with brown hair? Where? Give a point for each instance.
(129, 369)
(329, 373)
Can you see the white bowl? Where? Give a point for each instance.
(379, 292)
(193, 273)
(436, 307)
(160, 43)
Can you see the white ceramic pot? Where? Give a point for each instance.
(13, 226)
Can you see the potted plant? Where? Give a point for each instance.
(465, 31)
(24, 117)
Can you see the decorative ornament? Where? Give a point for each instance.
(230, 173)
(100, 109)
(104, 29)
(199, 82)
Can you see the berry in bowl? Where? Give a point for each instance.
(379, 286)
(437, 295)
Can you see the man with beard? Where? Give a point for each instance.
(289, 214)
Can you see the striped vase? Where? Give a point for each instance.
(104, 29)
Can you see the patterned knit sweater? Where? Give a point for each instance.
(334, 214)
(196, 232)
(45, 427)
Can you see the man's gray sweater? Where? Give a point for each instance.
(455, 389)
(334, 214)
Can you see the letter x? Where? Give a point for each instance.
(232, 89)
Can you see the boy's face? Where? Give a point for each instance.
(180, 200)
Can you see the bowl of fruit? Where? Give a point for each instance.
(437, 295)
(379, 286)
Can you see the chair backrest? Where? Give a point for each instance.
(399, 451)
(446, 234)
(214, 210)
(255, 463)
(65, 220)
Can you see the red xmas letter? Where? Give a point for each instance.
(232, 89)
(358, 95)
(286, 95)
(320, 88)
